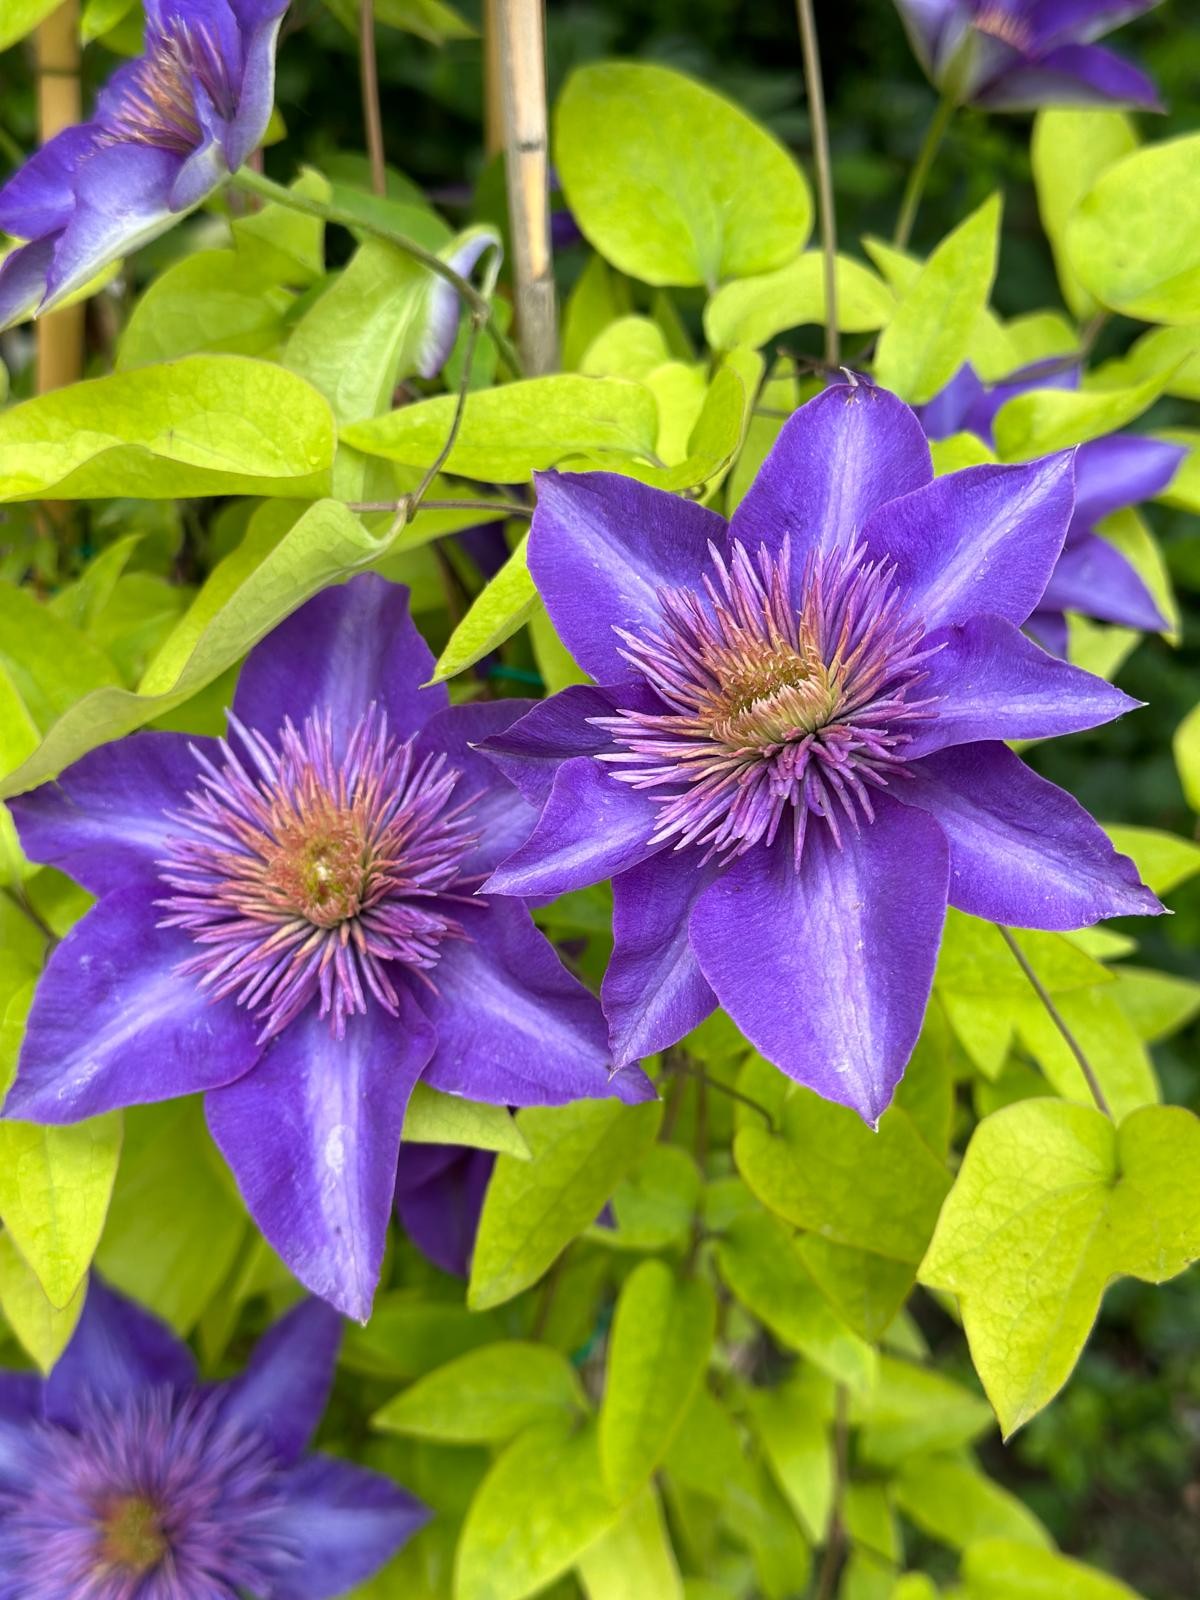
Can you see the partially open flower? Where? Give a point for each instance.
(289, 920)
(122, 1477)
(167, 131)
(1091, 576)
(1017, 55)
(794, 756)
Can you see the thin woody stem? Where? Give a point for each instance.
(510, 508)
(835, 1544)
(372, 112)
(919, 175)
(255, 183)
(820, 142)
(675, 1064)
(1059, 1022)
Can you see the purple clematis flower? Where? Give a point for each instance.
(793, 757)
(1017, 55)
(439, 1198)
(1091, 576)
(167, 130)
(288, 921)
(122, 1477)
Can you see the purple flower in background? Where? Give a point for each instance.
(439, 1196)
(1017, 55)
(288, 920)
(167, 131)
(123, 1478)
(1091, 576)
(794, 756)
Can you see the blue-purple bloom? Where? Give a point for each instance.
(793, 756)
(1091, 576)
(289, 921)
(167, 131)
(439, 1198)
(122, 1477)
(1017, 55)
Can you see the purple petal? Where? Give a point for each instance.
(441, 1214)
(925, 21)
(992, 682)
(113, 1024)
(592, 828)
(342, 650)
(1057, 21)
(654, 992)
(122, 201)
(827, 970)
(981, 540)
(312, 1136)
(283, 1391)
(500, 815)
(116, 1351)
(1071, 75)
(444, 305)
(1094, 577)
(20, 1397)
(40, 197)
(954, 408)
(343, 1522)
(1022, 851)
(838, 459)
(514, 1027)
(530, 752)
(23, 276)
(104, 821)
(600, 549)
(1049, 628)
(245, 132)
(1121, 471)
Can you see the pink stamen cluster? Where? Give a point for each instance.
(303, 873)
(778, 699)
(157, 100)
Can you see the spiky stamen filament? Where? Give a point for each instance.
(154, 1496)
(157, 100)
(1002, 22)
(771, 706)
(300, 873)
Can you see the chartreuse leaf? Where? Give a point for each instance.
(1051, 1203)
(711, 443)
(914, 1586)
(327, 543)
(21, 17)
(432, 20)
(866, 1290)
(657, 1353)
(761, 1263)
(1173, 350)
(1133, 239)
(42, 1331)
(175, 1223)
(283, 245)
(671, 182)
(952, 1501)
(925, 342)
(16, 997)
(750, 311)
(600, 296)
(1069, 150)
(409, 1335)
(214, 301)
(48, 664)
(914, 1411)
(1186, 746)
(55, 1185)
(1157, 1003)
(827, 1171)
(1184, 488)
(794, 1433)
(203, 425)
(509, 432)
(1001, 1569)
(495, 614)
(487, 1396)
(1164, 860)
(435, 1118)
(539, 1508)
(634, 1558)
(629, 347)
(1128, 530)
(1107, 1038)
(1042, 420)
(534, 1208)
(654, 1205)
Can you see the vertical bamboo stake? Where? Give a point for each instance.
(522, 48)
(60, 333)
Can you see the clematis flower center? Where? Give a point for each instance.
(783, 696)
(303, 872)
(156, 104)
(999, 22)
(131, 1535)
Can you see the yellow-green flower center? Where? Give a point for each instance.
(131, 1538)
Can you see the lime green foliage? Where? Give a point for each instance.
(487, 1396)
(1121, 246)
(1045, 420)
(22, 17)
(634, 1557)
(753, 310)
(1070, 150)
(534, 1208)
(997, 1569)
(497, 612)
(43, 1330)
(1051, 1203)
(435, 1118)
(673, 184)
(927, 338)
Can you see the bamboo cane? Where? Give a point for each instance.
(60, 333)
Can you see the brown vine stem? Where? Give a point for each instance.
(1059, 1022)
(510, 508)
(820, 142)
(835, 1544)
(372, 111)
(675, 1064)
